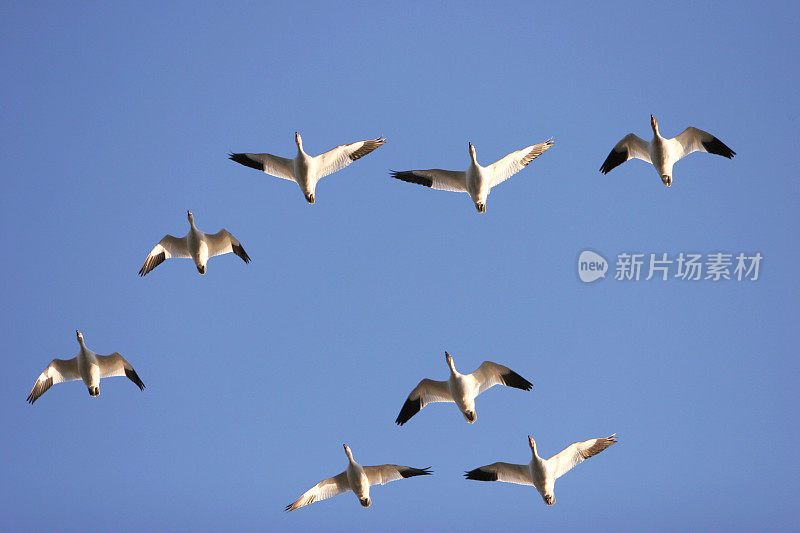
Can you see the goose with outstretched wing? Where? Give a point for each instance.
(195, 245)
(355, 478)
(663, 153)
(477, 181)
(87, 366)
(542, 473)
(461, 389)
(306, 170)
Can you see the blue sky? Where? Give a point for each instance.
(118, 119)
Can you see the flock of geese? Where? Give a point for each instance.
(461, 389)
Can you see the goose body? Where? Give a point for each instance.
(195, 245)
(87, 366)
(663, 153)
(477, 180)
(306, 170)
(355, 478)
(461, 389)
(542, 473)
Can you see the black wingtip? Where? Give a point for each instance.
(717, 147)
(411, 472)
(239, 250)
(242, 159)
(410, 177)
(410, 408)
(133, 376)
(613, 160)
(512, 379)
(481, 475)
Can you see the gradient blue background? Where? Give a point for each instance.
(117, 119)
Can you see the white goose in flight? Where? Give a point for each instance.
(664, 153)
(198, 246)
(87, 366)
(477, 181)
(356, 478)
(542, 473)
(462, 389)
(306, 170)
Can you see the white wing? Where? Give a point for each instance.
(343, 155)
(507, 472)
(428, 391)
(223, 242)
(168, 247)
(490, 374)
(506, 167)
(327, 488)
(59, 370)
(383, 474)
(435, 178)
(116, 365)
(694, 140)
(631, 146)
(280, 167)
(576, 453)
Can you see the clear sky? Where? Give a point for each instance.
(119, 118)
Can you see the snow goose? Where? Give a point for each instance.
(304, 169)
(477, 181)
(462, 389)
(196, 245)
(87, 366)
(542, 473)
(356, 478)
(664, 153)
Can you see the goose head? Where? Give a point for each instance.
(449, 360)
(190, 217)
(79, 335)
(654, 124)
(348, 452)
(472, 153)
(299, 141)
(532, 444)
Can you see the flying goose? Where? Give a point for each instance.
(304, 169)
(664, 153)
(477, 181)
(542, 473)
(460, 388)
(356, 478)
(197, 245)
(87, 366)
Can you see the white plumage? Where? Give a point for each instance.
(306, 170)
(477, 181)
(462, 389)
(356, 478)
(663, 153)
(542, 473)
(87, 366)
(198, 246)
